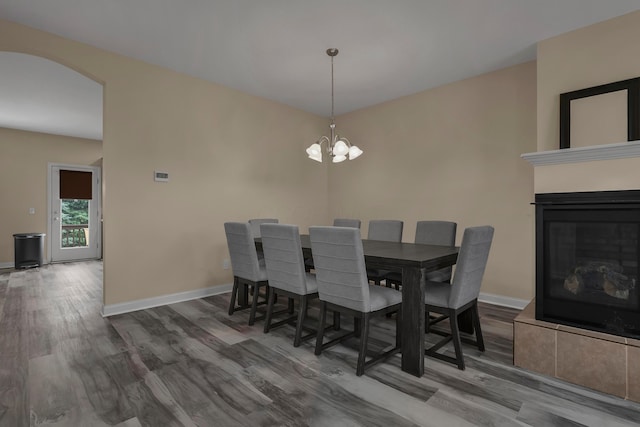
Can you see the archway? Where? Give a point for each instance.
(49, 114)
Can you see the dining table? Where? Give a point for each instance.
(411, 259)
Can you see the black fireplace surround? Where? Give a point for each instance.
(587, 256)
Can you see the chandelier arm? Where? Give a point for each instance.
(326, 139)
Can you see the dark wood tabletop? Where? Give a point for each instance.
(394, 256)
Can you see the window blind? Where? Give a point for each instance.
(75, 185)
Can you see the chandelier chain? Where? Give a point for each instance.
(332, 89)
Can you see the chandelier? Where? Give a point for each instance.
(339, 148)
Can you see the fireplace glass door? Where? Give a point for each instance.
(587, 265)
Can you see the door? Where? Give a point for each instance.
(75, 212)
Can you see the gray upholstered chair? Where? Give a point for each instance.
(248, 270)
(257, 222)
(388, 230)
(343, 286)
(337, 222)
(346, 222)
(430, 233)
(287, 276)
(461, 295)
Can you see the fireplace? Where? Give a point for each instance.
(587, 255)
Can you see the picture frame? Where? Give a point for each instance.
(632, 86)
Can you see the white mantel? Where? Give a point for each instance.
(584, 154)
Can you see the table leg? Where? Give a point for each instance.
(412, 322)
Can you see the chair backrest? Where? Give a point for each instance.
(389, 230)
(242, 251)
(436, 233)
(472, 261)
(257, 222)
(341, 274)
(283, 256)
(346, 222)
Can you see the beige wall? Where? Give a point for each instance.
(601, 175)
(450, 153)
(602, 53)
(230, 156)
(24, 159)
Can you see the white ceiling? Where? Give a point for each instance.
(40, 95)
(276, 48)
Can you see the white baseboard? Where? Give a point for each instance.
(142, 304)
(503, 301)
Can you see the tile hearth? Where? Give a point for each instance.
(603, 362)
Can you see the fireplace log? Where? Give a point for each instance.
(605, 277)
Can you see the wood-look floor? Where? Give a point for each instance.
(191, 364)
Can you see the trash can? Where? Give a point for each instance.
(28, 248)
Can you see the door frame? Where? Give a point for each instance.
(97, 170)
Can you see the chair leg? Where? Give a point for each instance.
(357, 330)
(243, 298)
(399, 328)
(267, 318)
(336, 320)
(234, 293)
(254, 304)
(302, 311)
(476, 326)
(290, 305)
(426, 322)
(364, 338)
(455, 336)
(321, 320)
